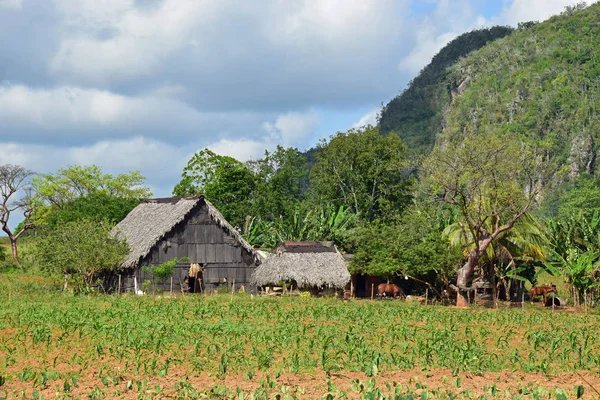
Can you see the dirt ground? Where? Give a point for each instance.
(311, 386)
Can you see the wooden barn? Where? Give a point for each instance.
(158, 230)
(305, 265)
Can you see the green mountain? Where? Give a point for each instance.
(541, 85)
(416, 114)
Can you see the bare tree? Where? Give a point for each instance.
(14, 181)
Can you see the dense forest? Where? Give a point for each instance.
(483, 167)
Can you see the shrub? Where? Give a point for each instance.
(84, 249)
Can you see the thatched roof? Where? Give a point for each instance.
(322, 267)
(153, 219)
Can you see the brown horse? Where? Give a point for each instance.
(541, 291)
(389, 289)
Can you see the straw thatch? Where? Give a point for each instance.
(152, 219)
(309, 265)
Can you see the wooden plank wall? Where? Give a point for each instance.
(203, 241)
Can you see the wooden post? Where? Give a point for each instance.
(171, 286)
(426, 295)
(523, 301)
(119, 287)
(232, 289)
(372, 290)
(351, 289)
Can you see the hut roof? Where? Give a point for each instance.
(152, 219)
(322, 267)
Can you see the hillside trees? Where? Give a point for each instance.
(15, 181)
(491, 179)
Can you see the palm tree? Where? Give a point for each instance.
(525, 244)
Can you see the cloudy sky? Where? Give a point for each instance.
(143, 84)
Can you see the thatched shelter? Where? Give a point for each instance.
(159, 230)
(305, 265)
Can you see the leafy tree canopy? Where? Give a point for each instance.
(97, 206)
(84, 249)
(281, 179)
(223, 180)
(363, 170)
(484, 177)
(75, 181)
(413, 245)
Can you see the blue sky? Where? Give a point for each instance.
(143, 84)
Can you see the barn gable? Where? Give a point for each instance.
(159, 230)
(151, 221)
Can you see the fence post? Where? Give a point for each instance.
(171, 286)
(426, 295)
(119, 287)
(372, 290)
(523, 301)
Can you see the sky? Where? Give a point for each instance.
(143, 84)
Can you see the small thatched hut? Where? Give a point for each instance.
(158, 230)
(308, 265)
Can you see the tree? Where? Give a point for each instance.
(364, 171)
(84, 249)
(93, 206)
(281, 180)
(490, 179)
(411, 246)
(15, 181)
(76, 181)
(223, 180)
(318, 223)
(575, 252)
(512, 255)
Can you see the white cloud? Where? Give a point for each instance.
(242, 149)
(532, 10)
(138, 42)
(74, 113)
(430, 43)
(291, 128)
(369, 118)
(267, 54)
(450, 19)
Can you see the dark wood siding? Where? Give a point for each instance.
(203, 241)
